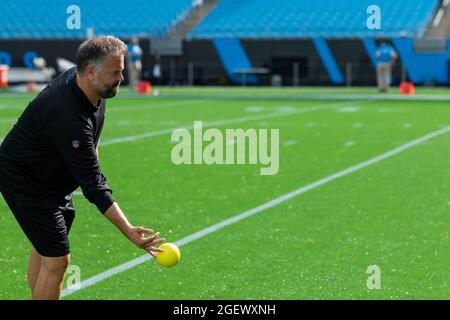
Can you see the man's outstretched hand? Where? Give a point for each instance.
(134, 234)
(137, 236)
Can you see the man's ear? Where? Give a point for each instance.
(90, 71)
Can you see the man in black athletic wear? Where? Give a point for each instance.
(52, 150)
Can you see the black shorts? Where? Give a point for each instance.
(46, 226)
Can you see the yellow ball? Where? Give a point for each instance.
(170, 257)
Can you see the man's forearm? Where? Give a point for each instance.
(134, 234)
(118, 218)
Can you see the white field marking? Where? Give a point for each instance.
(124, 123)
(121, 108)
(286, 108)
(290, 142)
(168, 122)
(138, 107)
(350, 143)
(219, 123)
(8, 120)
(141, 122)
(157, 106)
(10, 106)
(389, 110)
(255, 109)
(231, 142)
(348, 109)
(202, 233)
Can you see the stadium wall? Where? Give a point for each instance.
(201, 64)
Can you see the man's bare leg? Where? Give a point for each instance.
(50, 279)
(33, 268)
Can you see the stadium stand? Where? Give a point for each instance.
(30, 19)
(318, 18)
(440, 28)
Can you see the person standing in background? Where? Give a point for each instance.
(157, 75)
(386, 57)
(134, 63)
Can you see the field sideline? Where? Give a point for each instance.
(316, 244)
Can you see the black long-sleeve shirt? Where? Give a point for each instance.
(51, 150)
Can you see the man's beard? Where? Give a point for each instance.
(107, 92)
(110, 92)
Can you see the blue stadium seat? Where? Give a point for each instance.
(310, 18)
(47, 19)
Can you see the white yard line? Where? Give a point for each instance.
(11, 107)
(148, 106)
(156, 106)
(290, 143)
(221, 123)
(202, 233)
(8, 120)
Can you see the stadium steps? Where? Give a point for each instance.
(172, 43)
(430, 45)
(442, 30)
(185, 26)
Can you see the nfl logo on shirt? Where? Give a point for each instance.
(75, 144)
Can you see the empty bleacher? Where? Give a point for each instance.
(314, 18)
(440, 28)
(41, 19)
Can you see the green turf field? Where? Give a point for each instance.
(393, 213)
